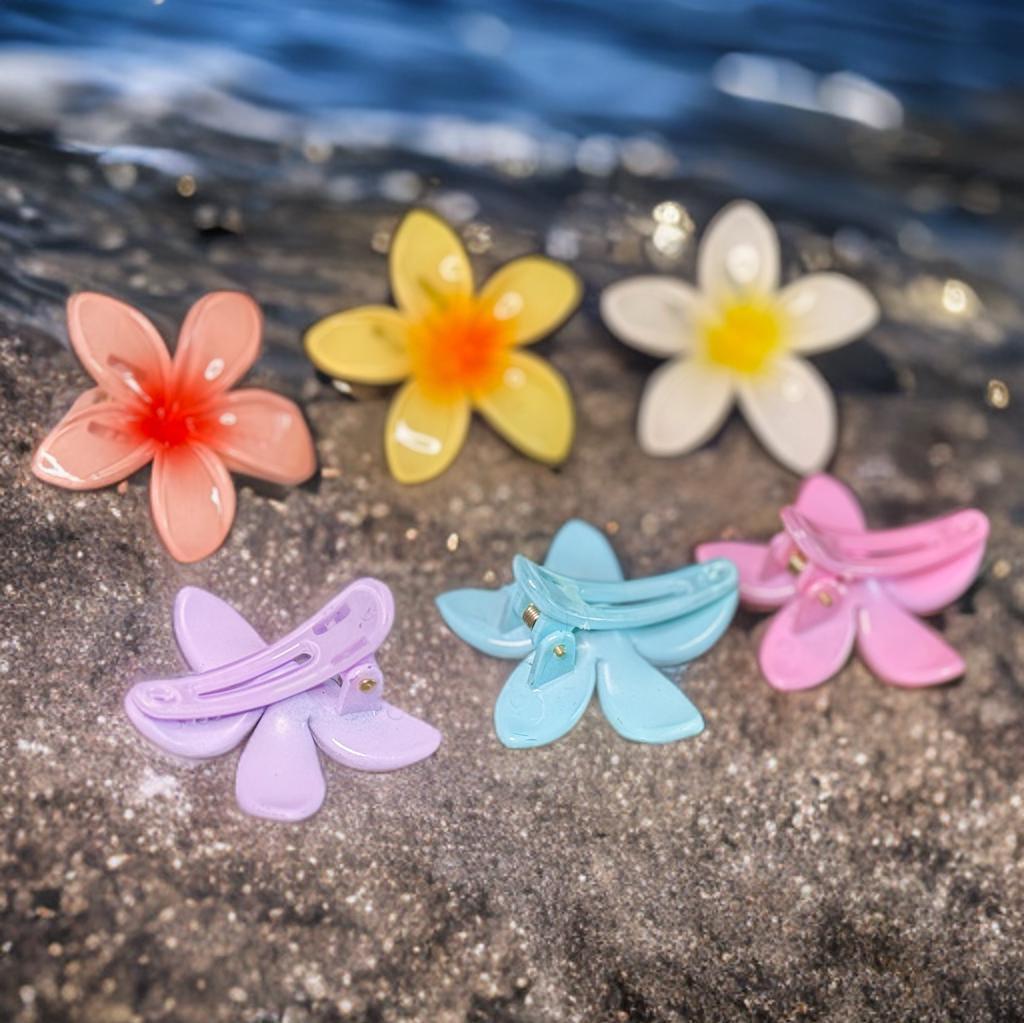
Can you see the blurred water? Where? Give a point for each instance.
(575, 65)
(887, 135)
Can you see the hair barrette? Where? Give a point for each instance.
(834, 583)
(456, 349)
(576, 624)
(319, 686)
(181, 413)
(738, 337)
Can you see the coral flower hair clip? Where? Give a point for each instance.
(834, 583)
(179, 414)
(457, 350)
(737, 337)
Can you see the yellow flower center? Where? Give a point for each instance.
(460, 348)
(744, 335)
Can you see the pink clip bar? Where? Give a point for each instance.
(887, 553)
(339, 638)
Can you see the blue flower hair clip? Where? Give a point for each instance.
(576, 623)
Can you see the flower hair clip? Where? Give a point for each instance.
(179, 414)
(737, 338)
(576, 625)
(833, 583)
(457, 350)
(319, 687)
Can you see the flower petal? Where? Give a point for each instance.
(652, 314)
(807, 642)
(93, 396)
(192, 500)
(279, 774)
(791, 409)
(94, 445)
(486, 620)
(534, 295)
(119, 348)
(683, 639)
(901, 649)
(380, 739)
(367, 345)
(826, 310)
(684, 403)
(210, 633)
(580, 550)
(423, 436)
(428, 264)
(927, 593)
(826, 501)
(531, 408)
(261, 434)
(528, 716)
(219, 341)
(640, 703)
(739, 252)
(765, 584)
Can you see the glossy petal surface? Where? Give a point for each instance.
(684, 404)
(368, 345)
(738, 253)
(526, 717)
(792, 411)
(486, 620)
(532, 408)
(94, 445)
(826, 310)
(653, 314)
(384, 739)
(119, 348)
(261, 434)
(219, 341)
(422, 436)
(806, 644)
(428, 264)
(279, 773)
(765, 583)
(192, 499)
(640, 703)
(533, 295)
(688, 637)
(828, 502)
(210, 633)
(901, 649)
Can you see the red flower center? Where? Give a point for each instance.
(169, 425)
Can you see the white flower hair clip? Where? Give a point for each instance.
(738, 337)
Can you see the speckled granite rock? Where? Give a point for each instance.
(848, 854)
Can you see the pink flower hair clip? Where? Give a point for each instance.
(832, 583)
(179, 414)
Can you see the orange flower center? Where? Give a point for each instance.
(167, 424)
(460, 348)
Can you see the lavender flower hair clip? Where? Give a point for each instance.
(320, 686)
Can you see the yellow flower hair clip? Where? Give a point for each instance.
(457, 349)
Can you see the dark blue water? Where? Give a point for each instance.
(578, 66)
(901, 119)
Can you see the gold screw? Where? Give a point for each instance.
(797, 562)
(825, 598)
(367, 685)
(559, 650)
(531, 615)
